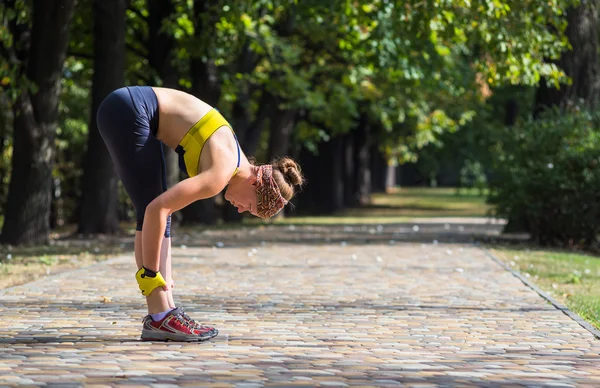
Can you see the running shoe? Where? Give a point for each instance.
(175, 327)
(195, 324)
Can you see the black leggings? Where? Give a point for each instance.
(128, 122)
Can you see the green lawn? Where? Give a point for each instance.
(423, 202)
(571, 278)
(406, 204)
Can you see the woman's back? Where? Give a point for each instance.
(178, 112)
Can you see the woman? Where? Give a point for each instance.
(134, 122)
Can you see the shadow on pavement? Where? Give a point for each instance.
(442, 232)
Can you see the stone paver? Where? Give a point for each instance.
(301, 313)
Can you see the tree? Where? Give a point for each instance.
(580, 63)
(415, 68)
(386, 77)
(40, 58)
(99, 205)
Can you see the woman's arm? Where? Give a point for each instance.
(205, 185)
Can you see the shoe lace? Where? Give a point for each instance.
(189, 319)
(183, 321)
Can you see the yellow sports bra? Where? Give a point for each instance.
(190, 147)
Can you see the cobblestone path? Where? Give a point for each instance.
(300, 313)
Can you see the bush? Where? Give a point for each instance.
(472, 175)
(546, 177)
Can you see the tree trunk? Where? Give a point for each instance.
(5, 135)
(307, 202)
(281, 127)
(324, 173)
(160, 45)
(581, 63)
(362, 161)
(390, 177)
(99, 208)
(378, 170)
(511, 112)
(350, 198)
(407, 175)
(27, 213)
(331, 176)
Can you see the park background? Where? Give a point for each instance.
(395, 110)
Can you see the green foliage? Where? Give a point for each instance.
(14, 16)
(463, 157)
(71, 138)
(439, 57)
(6, 147)
(546, 176)
(420, 70)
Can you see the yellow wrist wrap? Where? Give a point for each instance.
(148, 284)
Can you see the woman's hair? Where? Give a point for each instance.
(287, 174)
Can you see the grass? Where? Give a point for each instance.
(404, 205)
(571, 278)
(24, 264)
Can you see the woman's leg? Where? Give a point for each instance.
(139, 161)
(165, 268)
(159, 300)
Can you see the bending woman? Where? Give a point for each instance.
(134, 122)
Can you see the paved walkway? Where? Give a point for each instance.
(330, 309)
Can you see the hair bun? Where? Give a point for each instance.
(290, 170)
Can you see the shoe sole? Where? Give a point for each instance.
(149, 335)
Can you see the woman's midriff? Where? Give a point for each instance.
(178, 112)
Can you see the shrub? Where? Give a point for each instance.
(472, 175)
(546, 177)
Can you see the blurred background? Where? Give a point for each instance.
(393, 109)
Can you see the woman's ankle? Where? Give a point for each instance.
(158, 301)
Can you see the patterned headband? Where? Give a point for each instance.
(269, 200)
